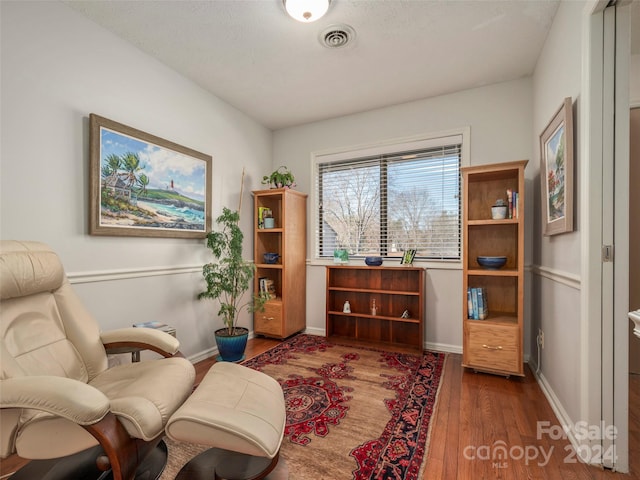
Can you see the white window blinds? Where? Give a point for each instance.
(386, 203)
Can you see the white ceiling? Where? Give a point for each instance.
(252, 55)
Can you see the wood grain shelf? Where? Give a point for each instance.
(494, 273)
(267, 266)
(506, 221)
(373, 290)
(378, 317)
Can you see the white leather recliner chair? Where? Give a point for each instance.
(57, 394)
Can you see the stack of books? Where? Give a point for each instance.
(158, 326)
(267, 288)
(477, 308)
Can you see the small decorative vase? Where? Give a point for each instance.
(499, 212)
(340, 255)
(231, 347)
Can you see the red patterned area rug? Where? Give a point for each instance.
(352, 412)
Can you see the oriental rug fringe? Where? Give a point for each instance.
(352, 412)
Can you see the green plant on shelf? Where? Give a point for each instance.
(280, 178)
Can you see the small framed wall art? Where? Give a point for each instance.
(556, 171)
(142, 185)
(407, 257)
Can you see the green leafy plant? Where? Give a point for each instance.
(229, 276)
(280, 178)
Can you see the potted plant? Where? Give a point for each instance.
(228, 278)
(280, 178)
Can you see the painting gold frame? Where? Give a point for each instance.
(556, 171)
(146, 186)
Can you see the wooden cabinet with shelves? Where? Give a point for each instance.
(285, 314)
(394, 290)
(494, 344)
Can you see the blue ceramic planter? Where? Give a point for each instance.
(231, 349)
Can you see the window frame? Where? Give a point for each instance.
(386, 147)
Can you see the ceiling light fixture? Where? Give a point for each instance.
(306, 11)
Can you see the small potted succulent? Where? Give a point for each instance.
(280, 178)
(499, 210)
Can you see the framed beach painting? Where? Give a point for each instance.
(556, 171)
(142, 185)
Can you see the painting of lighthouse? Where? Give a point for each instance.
(142, 185)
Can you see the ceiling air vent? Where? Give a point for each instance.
(337, 36)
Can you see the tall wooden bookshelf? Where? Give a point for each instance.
(495, 344)
(285, 314)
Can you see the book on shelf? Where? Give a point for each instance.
(474, 302)
(477, 306)
(155, 325)
(512, 203)
(263, 212)
(267, 287)
(482, 304)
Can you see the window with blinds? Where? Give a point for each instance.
(384, 204)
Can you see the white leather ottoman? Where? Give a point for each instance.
(241, 414)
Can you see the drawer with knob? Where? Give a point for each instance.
(269, 322)
(492, 347)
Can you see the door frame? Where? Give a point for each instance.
(604, 341)
(620, 364)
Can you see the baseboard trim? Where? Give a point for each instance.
(443, 347)
(581, 448)
(438, 347)
(203, 355)
(320, 332)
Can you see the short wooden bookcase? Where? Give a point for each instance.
(395, 290)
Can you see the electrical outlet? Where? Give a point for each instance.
(541, 338)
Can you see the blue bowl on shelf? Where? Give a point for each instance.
(271, 257)
(492, 263)
(373, 261)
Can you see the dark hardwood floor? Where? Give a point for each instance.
(476, 414)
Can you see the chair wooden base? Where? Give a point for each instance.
(82, 466)
(220, 464)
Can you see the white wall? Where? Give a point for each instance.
(500, 120)
(556, 259)
(57, 68)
